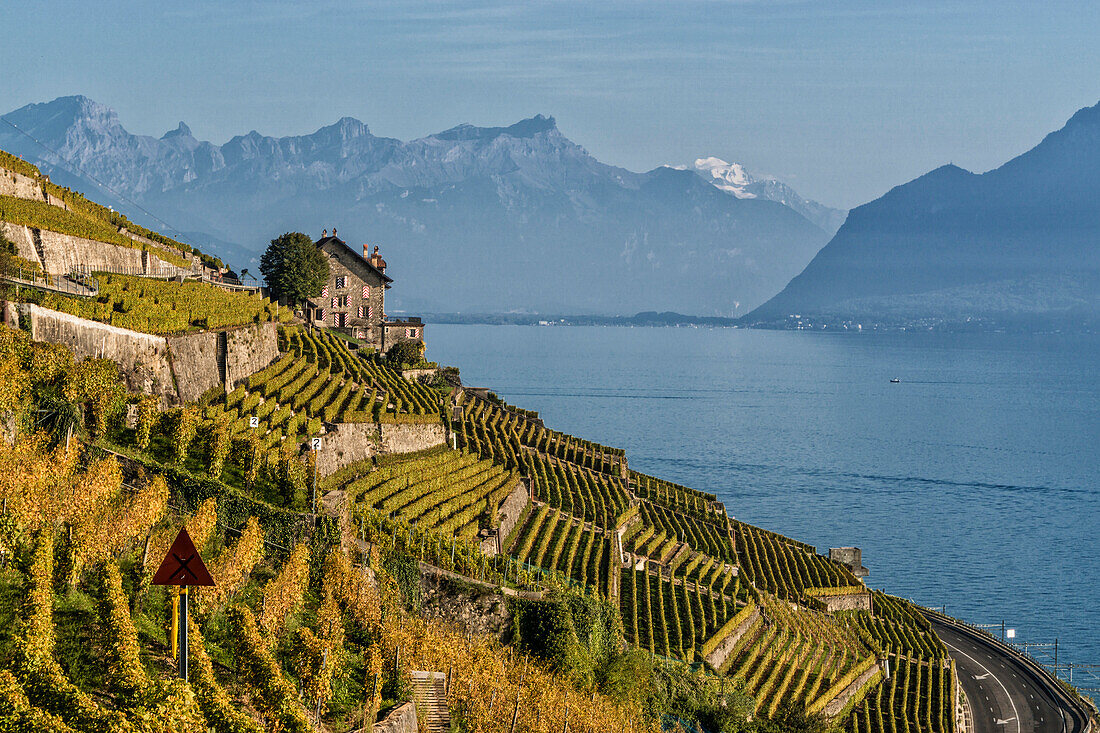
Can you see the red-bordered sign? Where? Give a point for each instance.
(182, 565)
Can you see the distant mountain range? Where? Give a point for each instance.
(485, 219)
(1019, 245)
(734, 179)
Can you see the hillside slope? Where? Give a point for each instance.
(620, 601)
(1018, 244)
(521, 207)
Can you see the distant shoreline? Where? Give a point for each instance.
(669, 319)
(648, 318)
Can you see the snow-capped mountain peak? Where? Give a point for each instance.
(730, 177)
(738, 182)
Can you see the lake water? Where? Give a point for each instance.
(972, 483)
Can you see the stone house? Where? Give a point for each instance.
(353, 300)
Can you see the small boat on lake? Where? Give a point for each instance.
(895, 380)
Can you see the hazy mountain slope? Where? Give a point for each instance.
(734, 179)
(469, 219)
(1018, 242)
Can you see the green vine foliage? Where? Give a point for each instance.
(96, 384)
(182, 428)
(17, 713)
(405, 570)
(218, 445)
(148, 413)
(34, 664)
(272, 695)
(216, 706)
(122, 657)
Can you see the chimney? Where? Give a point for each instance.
(376, 260)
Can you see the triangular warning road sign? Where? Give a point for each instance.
(182, 565)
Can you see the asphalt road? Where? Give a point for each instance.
(1006, 694)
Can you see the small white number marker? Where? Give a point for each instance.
(315, 444)
(253, 422)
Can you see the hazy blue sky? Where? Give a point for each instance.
(841, 99)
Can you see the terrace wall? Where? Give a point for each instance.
(718, 657)
(402, 719)
(63, 253)
(407, 438)
(248, 350)
(19, 186)
(21, 237)
(177, 368)
(346, 443)
(511, 510)
(846, 602)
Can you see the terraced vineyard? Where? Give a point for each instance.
(698, 504)
(918, 696)
(571, 487)
(552, 540)
(387, 388)
(317, 380)
(899, 629)
(786, 568)
(82, 217)
(166, 307)
(661, 530)
(798, 655)
(531, 433)
(673, 618)
(445, 490)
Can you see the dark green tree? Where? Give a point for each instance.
(406, 353)
(294, 268)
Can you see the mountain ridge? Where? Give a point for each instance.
(556, 229)
(1029, 227)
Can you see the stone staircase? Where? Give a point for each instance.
(430, 694)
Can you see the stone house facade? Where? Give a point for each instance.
(353, 300)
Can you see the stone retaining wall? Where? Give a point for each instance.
(21, 237)
(248, 350)
(511, 510)
(402, 719)
(19, 186)
(410, 437)
(63, 253)
(346, 443)
(837, 704)
(718, 657)
(194, 360)
(177, 368)
(846, 602)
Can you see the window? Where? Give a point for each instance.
(360, 311)
(341, 282)
(366, 292)
(340, 301)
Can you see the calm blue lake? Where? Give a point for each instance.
(972, 483)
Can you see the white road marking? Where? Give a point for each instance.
(1002, 722)
(981, 677)
(1015, 713)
